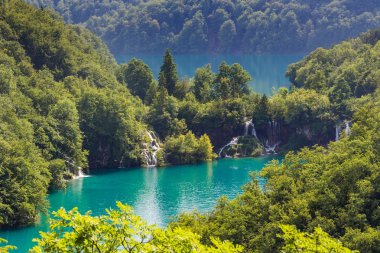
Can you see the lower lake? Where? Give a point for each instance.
(156, 194)
(268, 71)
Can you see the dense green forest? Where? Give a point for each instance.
(145, 238)
(122, 231)
(57, 84)
(280, 26)
(64, 110)
(66, 106)
(333, 187)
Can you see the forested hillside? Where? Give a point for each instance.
(281, 26)
(57, 83)
(348, 70)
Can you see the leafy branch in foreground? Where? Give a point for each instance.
(317, 242)
(6, 248)
(119, 231)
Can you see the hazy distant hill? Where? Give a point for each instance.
(220, 25)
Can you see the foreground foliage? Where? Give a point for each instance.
(317, 242)
(6, 248)
(120, 231)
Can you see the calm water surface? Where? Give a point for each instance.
(268, 71)
(156, 194)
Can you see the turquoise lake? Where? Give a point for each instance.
(156, 194)
(268, 71)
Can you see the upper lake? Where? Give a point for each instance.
(267, 71)
(156, 194)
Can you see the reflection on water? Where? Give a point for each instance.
(268, 71)
(156, 194)
(209, 172)
(77, 184)
(147, 204)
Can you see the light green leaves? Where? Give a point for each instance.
(317, 242)
(120, 231)
(6, 248)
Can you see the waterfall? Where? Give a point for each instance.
(254, 131)
(234, 141)
(338, 129)
(270, 142)
(273, 137)
(80, 174)
(150, 150)
(79, 171)
(271, 149)
(347, 129)
(246, 128)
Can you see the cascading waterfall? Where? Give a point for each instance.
(271, 148)
(270, 142)
(273, 137)
(347, 129)
(254, 131)
(338, 129)
(234, 141)
(151, 149)
(246, 128)
(79, 170)
(75, 169)
(81, 174)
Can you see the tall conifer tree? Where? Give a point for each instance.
(168, 76)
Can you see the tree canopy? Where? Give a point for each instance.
(332, 187)
(253, 26)
(120, 231)
(67, 106)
